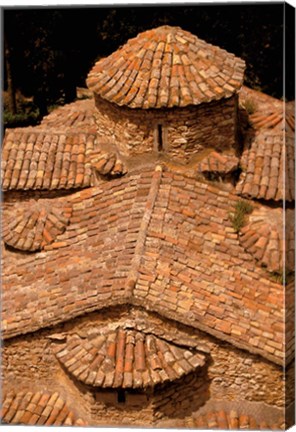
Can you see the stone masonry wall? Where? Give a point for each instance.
(28, 362)
(184, 131)
(180, 399)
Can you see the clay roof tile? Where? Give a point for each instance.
(123, 364)
(36, 409)
(165, 49)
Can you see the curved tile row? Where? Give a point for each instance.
(34, 228)
(166, 67)
(224, 420)
(267, 163)
(126, 358)
(38, 409)
(276, 119)
(106, 163)
(263, 237)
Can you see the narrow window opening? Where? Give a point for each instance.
(121, 396)
(159, 138)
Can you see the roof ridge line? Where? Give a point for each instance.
(49, 131)
(139, 248)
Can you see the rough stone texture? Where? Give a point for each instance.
(230, 375)
(166, 67)
(184, 132)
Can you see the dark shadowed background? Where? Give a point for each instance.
(48, 52)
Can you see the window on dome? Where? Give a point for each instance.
(159, 138)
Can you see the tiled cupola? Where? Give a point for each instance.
(167, 91)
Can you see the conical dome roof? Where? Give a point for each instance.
(166, 67)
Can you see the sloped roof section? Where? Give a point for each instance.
(34, 227)
(158, 240)
(166, 67)
(90, 264)
(276, 118)
(126, 358)
(45, 159)
(78, 115)
(38, 409)
(268, 167)
(263, 237)
(218, 163)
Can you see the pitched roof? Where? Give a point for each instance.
(268, 162)
(135, 238)
(78, 116)
(44, 159)
(126, 358)
(38, 409)
(166, 67)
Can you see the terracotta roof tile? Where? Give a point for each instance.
(139, 236)
(227, 417)
(45, 159)
(277, 119)
(98, 244)
(106, 163)
(37, 409)
(260, 101)
(268, 113)
(34, 226)
(263, 237)
(125, 358)
(267, 163)
(218, 163)
(78, 116)
(166, 67)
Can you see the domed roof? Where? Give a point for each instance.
(166, 67)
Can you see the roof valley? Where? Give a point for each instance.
(142, 234)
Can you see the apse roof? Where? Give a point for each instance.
(124, 357)
(166, 67)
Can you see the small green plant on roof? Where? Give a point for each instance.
(241, 209)
(250, 106)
